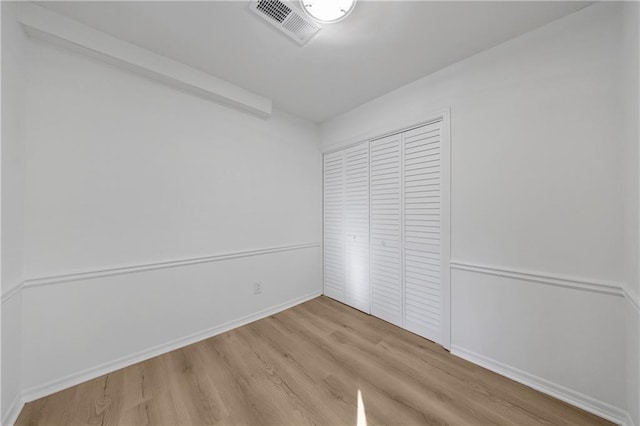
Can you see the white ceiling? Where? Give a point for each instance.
(380, 47)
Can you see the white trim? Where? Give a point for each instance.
(49, 26)
(323, 220)
(446, 238)
(635, 302)
(403, 233)
(541, 278)
(628, 421)
(53, 386)
(345, 221)
(7, 295)
(14, 411)
(58, 279)
(578, 399)
(388, 130)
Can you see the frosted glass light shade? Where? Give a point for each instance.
(328, 11)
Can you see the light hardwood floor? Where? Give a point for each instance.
(304, 366)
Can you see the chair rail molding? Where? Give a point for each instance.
(131, 269)
(578, 283)
(9, 294)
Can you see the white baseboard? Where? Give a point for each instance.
(51, 387)
(13, 412)
(580, 400)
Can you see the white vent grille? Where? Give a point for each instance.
(274, 9)
(287, 18)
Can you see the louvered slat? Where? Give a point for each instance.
(334, 225)
(383, 228)
(386, 274)
(357, 226)
(422, 230)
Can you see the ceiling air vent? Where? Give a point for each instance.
(287, 18)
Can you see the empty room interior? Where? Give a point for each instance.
(330, 212)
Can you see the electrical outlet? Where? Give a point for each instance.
(257, 287)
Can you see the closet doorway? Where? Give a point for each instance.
(387, 228)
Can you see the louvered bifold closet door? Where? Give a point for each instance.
(334, 225)
(386, 266)
(423, 230)
(357, 226)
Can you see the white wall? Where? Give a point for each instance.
(631, 137)
(125, 171)
(630, 90)
(13, 152)
(13, 86)
(122, 170)
(535, 157)
(536, 187)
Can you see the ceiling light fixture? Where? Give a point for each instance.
(328, 11)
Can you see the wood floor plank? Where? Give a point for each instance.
(305, 365)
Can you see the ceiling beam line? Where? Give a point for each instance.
(52, 27)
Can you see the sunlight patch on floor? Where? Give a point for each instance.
(362, 416)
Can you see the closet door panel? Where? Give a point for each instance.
(357, 292)
(386, 237)
(422, 195)
(334, 225)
